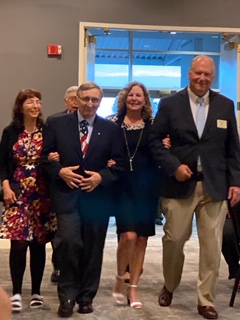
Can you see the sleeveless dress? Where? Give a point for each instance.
(30, 217)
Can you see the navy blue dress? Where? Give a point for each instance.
(137, 193)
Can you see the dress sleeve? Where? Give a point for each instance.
(4, 155)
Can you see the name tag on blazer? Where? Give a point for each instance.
(221, 124)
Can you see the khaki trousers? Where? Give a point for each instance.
(210, 218)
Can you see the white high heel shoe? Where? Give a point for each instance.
(118, 297)
(134, 304)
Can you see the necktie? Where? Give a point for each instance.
(83, 136)
(200, 116)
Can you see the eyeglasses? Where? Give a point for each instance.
(88, 99)
(32, 102)
(71, 98)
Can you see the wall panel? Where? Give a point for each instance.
(27, 26)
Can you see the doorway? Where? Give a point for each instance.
(159, 57)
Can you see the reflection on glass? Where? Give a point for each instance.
(111, 75)
(158, 59)
(155, 77)
(110, 39)
(106, 107)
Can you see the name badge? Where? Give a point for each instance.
(222, 124)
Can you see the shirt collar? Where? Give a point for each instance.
(193, 97)
(89, 120)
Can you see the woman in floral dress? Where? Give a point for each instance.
(26, 218)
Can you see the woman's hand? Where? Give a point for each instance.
(167, 142)
(111, 163)
(8, 194)
(54, 156)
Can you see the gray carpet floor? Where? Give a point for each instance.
(184, 300)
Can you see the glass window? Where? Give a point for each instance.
(158, 59)
(111, 39)
(107, 107)
(111, 75)
(156, 77)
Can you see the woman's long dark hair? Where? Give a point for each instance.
(17, 115)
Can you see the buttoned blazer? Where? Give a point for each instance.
(62, 135)
(218, 146)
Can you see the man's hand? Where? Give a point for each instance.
(183, 173)
(89, 184)
(72, 179)
(234, 195)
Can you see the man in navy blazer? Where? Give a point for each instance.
(200, 172)
(70, 101)
(80, 189)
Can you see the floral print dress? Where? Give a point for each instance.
(30, 217)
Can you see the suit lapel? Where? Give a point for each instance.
(187, 112)
(96, 133)
(74, 132)
(186, 109)
(211, 112)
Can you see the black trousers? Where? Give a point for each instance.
(229, 248)
(55, 261)
(17, 259)
(79, 244)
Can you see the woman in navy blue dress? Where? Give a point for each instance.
(138, 190)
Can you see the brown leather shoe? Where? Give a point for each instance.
(165, 297)
(207, 312)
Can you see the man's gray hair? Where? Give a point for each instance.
(69, 90)
(88, 86)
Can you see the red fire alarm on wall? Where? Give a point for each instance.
(54, 50)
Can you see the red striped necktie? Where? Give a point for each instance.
(83, 136)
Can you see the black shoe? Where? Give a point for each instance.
(55, 276)
(65, 309)
(85, 307)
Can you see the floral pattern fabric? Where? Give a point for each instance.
(30, 217)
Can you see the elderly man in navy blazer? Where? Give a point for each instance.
(80, 187)
(70, 101)
(201, 171)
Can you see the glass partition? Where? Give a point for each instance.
(158, 59)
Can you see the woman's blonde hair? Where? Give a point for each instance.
(147, 110)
